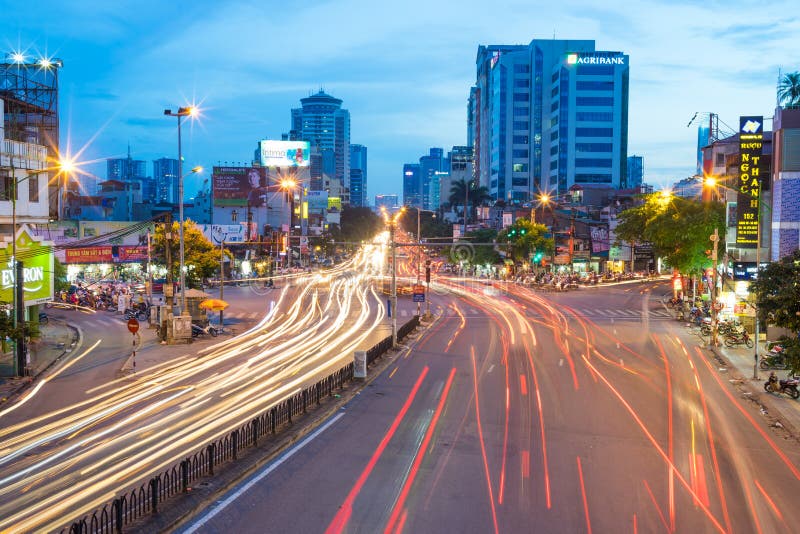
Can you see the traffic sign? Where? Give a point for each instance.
(419, 297)
(133, 325)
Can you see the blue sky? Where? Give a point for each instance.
(403, 69)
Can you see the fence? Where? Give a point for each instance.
(144, 500)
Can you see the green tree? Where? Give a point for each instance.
(525, 238)
(358, 224)
(789, 89)
(678, 229)
(60, 282)
(777, 293)
(478, 195)
(483, 254)
(431, 225)
(200, 255)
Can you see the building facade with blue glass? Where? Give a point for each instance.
(547, 116)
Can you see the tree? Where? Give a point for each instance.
(200, 255)
(477, 195)
(359, 224)
(430, 224)
(677, 228)
(777, 293)
(60, 282)
(482, 254)
(526, 238)
(789, 89)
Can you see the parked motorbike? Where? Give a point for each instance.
(788, 385)
(198, 330)
(739, 338)
(43, 318)
(140, 313)
(774, 359)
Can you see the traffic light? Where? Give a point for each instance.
(427, 275)
(512, 232)
(522, 231)
(537, 257)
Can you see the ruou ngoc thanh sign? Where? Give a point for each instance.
(36, 256)
(751, 138)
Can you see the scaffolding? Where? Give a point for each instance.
(30, 93)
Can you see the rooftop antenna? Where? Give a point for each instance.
(778, 89)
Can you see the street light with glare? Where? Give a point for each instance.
(189, 111)
(392, 222)
(288, 185)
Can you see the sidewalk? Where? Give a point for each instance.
(778, 408)
(57, 340)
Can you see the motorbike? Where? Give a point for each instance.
(141, 313)
(198, 330)
(739, 338)
(43, 318)
(774, 359)
(788, 385)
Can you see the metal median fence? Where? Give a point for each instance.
(135, 504)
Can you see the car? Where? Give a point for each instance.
(158, 285)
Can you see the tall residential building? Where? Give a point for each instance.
(412, 185)
(548, 115)
(635, 171)
(461, 169)
(165, 175)
(126, 169)
(322, 122)
(358, 175)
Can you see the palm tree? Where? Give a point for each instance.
(458, 194)
(789, 89)
(474, 196)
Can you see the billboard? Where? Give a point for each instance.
(239, 186)
(748, 199)
(600, 239)
(317, 200)
(36, 256)
(284, 153)
(228, 233)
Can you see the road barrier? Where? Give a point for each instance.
(140, 502)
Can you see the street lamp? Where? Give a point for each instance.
(189, 111)
(288, 185)
(392, 222)
(419, 256)
(547, 200)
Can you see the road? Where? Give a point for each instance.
(588, 411)
(61, 457)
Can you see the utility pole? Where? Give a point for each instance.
(166, 321)
(19, 282)
(394, 283)
(755, 301)
(221, 281)
(714, 327)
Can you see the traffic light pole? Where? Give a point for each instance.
(714, 327)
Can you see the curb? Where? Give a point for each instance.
(767, 403)
(75, 346)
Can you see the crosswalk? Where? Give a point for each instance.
(593, 313)
(104, 320)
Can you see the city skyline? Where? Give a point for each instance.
(406, 84)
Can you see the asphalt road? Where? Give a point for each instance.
(588, 411)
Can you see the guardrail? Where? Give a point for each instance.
(139, 502)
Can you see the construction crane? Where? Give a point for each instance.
(713, 125)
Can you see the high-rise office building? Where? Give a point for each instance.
(322, 122)
(358, 175)
(387, 201)
(549, 115)
(165, 175)
(635, 172)
(126, 169)
(429, 165)
(412, 185)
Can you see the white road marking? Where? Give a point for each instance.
(252, 482)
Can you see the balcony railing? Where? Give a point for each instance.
(22, 155)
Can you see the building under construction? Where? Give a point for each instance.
(30, 93)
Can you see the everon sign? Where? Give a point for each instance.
(748, 186)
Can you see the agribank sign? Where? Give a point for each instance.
(36, 256)
(594, 59)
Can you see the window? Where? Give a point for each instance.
(521, 125)
(522, 112)
(595, 116)
(595, 69)
(521, 69)
(519, 153)
(554, 91)
(594, 132)
(520, 139)
(521, 97)
(554, 164)
(522, 84)
(592, 178)
(7, 183)
(594, 86)
(33, 188)
(593, 147)
(519, 181)
(554, 121)
(594, 101)
(555, 76)
(554, 135)
(554, 106)
(593, 162)
(720, 160)
(554, 150)
(519, 167)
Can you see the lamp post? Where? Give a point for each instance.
(392, 222)
(189, 111)
(547, 200)
(419, 257)
(288, 185)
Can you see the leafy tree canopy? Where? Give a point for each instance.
(359, 224)
(482, 254)
(200, 255)
(678, 228)
(525, 238)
